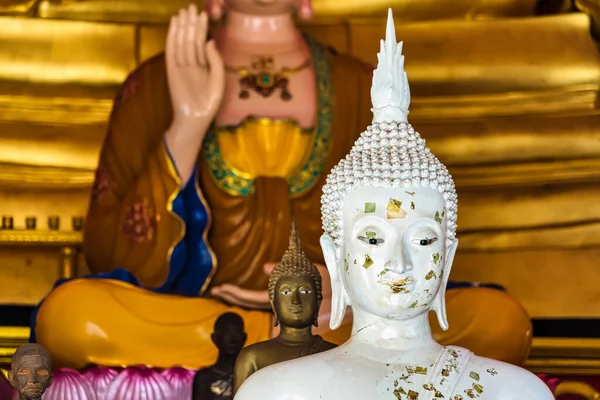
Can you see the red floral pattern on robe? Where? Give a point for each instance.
(102, 184)
(128, 89)
(140, 221)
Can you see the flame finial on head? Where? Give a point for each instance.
(390, 93)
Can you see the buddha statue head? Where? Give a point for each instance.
(295, 287)
(216, 8)
(389, 210)
(31, 371)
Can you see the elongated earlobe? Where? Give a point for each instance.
(215, 9)
(338, 292)
(305, 11)
(439, 304)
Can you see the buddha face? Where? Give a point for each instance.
(31, 376)
(295, 301)
(262, 7)
(394, 255)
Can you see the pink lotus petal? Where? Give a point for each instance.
(180, 379)
(100, 379)
(69, 385)
(139, 383)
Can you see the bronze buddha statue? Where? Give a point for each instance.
(295, 293)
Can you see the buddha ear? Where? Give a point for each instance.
(439, 304)
(338, 292)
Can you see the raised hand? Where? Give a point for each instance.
(195, 71)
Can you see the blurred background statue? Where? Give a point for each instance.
(216, 382)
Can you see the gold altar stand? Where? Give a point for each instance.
(506, 97)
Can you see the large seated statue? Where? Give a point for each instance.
(211, 148)
(389, 214)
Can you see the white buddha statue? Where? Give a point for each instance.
(389, 213)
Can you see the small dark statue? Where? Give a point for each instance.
(216, 382)
(295, 293)
(31, 371)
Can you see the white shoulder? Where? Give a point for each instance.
(279, 381)
(501, 381)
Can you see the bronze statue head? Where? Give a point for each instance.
(229, 335)
(295, 287)
(31, 371)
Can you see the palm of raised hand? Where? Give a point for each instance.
(195, 69)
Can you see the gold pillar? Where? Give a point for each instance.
(68, 262)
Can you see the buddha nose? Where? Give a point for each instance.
(401, 260)
(295, 297)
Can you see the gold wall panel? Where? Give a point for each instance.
(537, 206)
(61, 52)
(160, 10)
(63, 151)
(17, 7)
(550, 283)
(486, 57)
(27, 274)
(497, 142)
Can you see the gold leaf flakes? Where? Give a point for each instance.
(417, 370)
(411, 193)
(383, 272)
(478, 388)
(412, 395)
(399, 392)
(371, 235)
(492, 372)
(474, 375)
(412, 205)
(346, 264)
(437, 217)
(436, 258)
(368, 262)
(370, 208)
(445, 372)
(430, 275)
(414, 304)
(394, 209)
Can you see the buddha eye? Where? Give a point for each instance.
(42, 371)
(24, 372)
(426, 241)
(371, 238)
(305, 291)
(285, 292)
